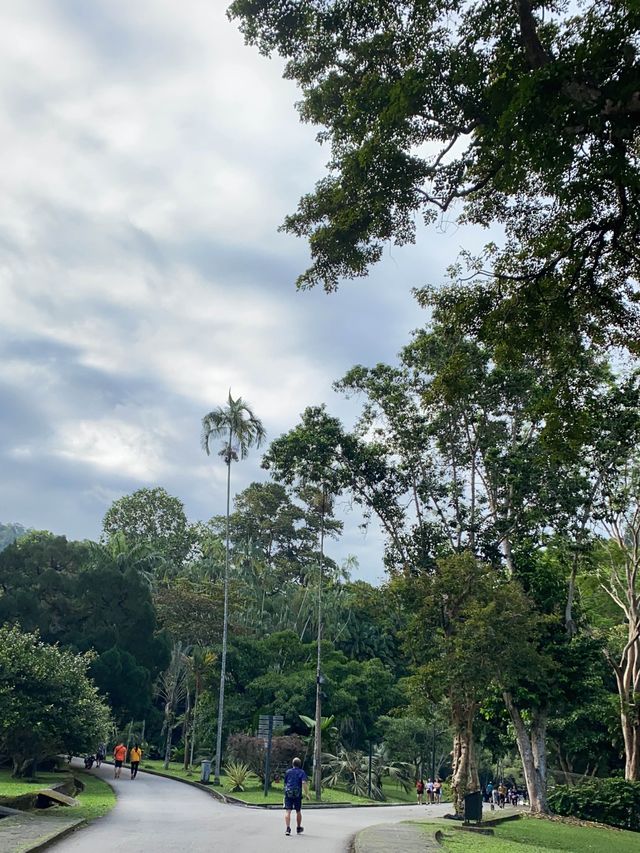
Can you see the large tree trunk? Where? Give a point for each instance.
(465, 766)
(23, 768)
(168, 716)
(185, 731)
(532, 749)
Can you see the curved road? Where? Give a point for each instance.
(157, 815)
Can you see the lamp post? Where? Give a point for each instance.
(317, 745)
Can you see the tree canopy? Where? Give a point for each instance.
(48, 704)
(519, 113)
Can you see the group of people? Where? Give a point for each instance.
(119, 758)
(431, 792)
(501, 795)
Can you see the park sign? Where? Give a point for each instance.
(267, 723)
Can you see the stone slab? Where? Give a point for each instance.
(386, 837)
(57, 797)
(25, 833)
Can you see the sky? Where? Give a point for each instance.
(149, 157)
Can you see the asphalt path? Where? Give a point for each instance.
(157, 815)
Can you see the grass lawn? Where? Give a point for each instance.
(15, 787)
(96, 800)
(175, 769)
(531, 835)
(254, 792)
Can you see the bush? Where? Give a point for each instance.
(237, 774)
(251, 751)
(611, 801)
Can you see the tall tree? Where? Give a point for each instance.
(312, 470)
(620, 579)
(240, 429)
(155, 519)
(516, 112)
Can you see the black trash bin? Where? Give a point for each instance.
(473, 807)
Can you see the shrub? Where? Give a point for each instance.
(237, 774)
(611, 801)
(251, 751)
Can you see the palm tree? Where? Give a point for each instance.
(236, 424)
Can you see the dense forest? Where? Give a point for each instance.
(505, 639)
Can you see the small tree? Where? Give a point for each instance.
(48, 704)
(172, 689)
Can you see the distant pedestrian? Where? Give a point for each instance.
(101, 754)
(135, 756)
(490, 790)
(502, 794)
(437, 791)
(420, 791)
(119, 756)
(430, 791)
(295, 782)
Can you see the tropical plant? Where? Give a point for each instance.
(172, 690)
(400, 772)
(349, 768)
(237, 774)
(233, 422)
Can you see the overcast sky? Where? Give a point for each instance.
(148, 159)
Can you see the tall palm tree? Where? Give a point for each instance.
(240, 430)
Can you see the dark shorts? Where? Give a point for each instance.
(293, 804)
(117, 762)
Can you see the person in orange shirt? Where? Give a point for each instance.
(135, 755)
(119, 755)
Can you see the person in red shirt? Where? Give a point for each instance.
(119, 755)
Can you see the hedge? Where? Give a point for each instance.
(611, 801)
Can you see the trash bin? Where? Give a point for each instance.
(473, 807)
(205, 771)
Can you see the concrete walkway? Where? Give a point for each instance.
(164, 816)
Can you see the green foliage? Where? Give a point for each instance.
(612, 801)
(237, 773)
(521, 119)
(89, 597)
(152, 518)
(348, 769)
(47, 702)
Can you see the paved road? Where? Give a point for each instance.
(158, 815)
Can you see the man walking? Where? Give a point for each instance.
(295, 781)
(119, 755)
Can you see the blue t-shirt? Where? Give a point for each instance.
(293, 779)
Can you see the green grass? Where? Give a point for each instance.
(530, 835)
(15, 787)
(254, 791)
(175, 769)
(96, 800)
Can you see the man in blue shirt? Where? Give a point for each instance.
(295, 781)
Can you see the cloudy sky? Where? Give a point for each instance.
(148, 158)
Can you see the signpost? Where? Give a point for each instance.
(266, 725)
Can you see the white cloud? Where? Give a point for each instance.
(148, 159)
